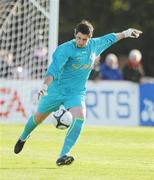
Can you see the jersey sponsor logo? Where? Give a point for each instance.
(86, 65)
(82, 66)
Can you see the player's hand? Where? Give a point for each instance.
(132, 33)
(43, 91)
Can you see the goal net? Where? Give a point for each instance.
(24, 55)
(24, 32)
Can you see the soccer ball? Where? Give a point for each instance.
(61, 119)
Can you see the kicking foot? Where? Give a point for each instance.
(19, 146)
(64, 160)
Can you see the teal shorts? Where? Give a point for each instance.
(55, 99)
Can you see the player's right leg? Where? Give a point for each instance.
(47, 104)
(31, 124)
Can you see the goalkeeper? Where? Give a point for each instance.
(64, 83)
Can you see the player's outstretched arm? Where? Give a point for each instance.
(129, 33)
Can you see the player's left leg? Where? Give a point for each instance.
(72, 135)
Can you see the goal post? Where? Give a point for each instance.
(53, 26)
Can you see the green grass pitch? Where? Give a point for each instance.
(101, 153)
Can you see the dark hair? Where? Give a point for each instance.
(85, 27)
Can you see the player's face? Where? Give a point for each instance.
(81, 39)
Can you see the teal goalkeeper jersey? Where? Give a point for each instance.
(72, 65)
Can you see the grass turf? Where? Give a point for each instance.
(101, 153)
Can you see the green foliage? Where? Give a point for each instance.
(120, 5)
(113, 16)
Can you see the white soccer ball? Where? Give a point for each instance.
(61, 119)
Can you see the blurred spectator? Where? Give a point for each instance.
(133, 70)
(109, 70)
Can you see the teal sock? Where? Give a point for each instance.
(29, 127)
(71, 136)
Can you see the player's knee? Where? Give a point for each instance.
(39, 117)
(78, 113)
